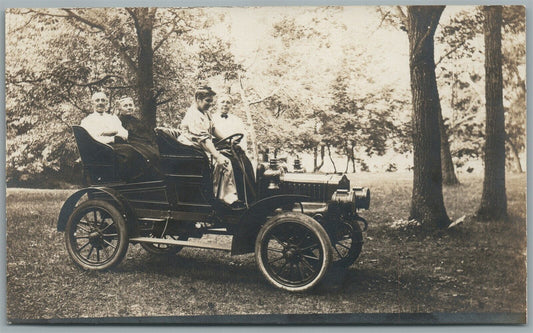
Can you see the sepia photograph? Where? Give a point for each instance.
(266, 165)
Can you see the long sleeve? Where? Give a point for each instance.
(98, 124)
(117, 125)
(94, 124)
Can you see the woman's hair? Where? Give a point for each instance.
(203, 92)
(123, 99)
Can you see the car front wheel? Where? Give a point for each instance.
(293, 251)
(347, 241)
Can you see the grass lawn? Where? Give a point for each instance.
(477, 267)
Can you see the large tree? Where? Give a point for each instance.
(448, 170)
(129, 36)
(493, 200)
(427, 205)
(396, 17)
(460, 76)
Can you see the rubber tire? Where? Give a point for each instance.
(311, 225)
(356, 246)
(169, 251)
(122, 234)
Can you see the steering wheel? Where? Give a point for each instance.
(234, 138)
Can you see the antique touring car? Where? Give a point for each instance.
(297, 224)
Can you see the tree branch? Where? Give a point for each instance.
(402, 16)
(85, 20)
(71, 101)
(93, 82)
(383, 17)
(20, 81)
(133, 14)
(449, 52)
(165, 37)
(261, 99)
(43, 13)
(129, 61)
(25, 23)
(464, 120)
(164, 101)
(78, 84)
(50, 111)
(119, 87)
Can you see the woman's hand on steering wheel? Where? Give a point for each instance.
(223, 161)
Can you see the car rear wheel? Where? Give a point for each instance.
(96, 235)
(293, 251)
(164, 249)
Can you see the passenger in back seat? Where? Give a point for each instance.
(141, 137)
(106, 128)
(102, 126)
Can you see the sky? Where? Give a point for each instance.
(248, 29)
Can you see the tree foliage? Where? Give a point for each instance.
(342, 109)
(154, 55)
(460, 73)
(316, 83)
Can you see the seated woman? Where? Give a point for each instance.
(142, 139)
(196, 130)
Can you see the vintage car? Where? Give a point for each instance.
(298, 224)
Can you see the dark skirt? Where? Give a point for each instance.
(134, 165)
(139, 156)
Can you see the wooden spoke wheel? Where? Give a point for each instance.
(347, 241)
(96, 235)
(293, 251)
(164, 249)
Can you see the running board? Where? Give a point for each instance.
(201, 245)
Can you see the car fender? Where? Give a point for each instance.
(121, 203)
(251, 221)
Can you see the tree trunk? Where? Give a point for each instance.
(315, 158)
(347, 160)
(249, 120)
(145, 69)
(516, 156)
(265, 155)
(322, 153)
(427, 205)
(352, 157)
(331, 159)
(493, 200)
(448, 171)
